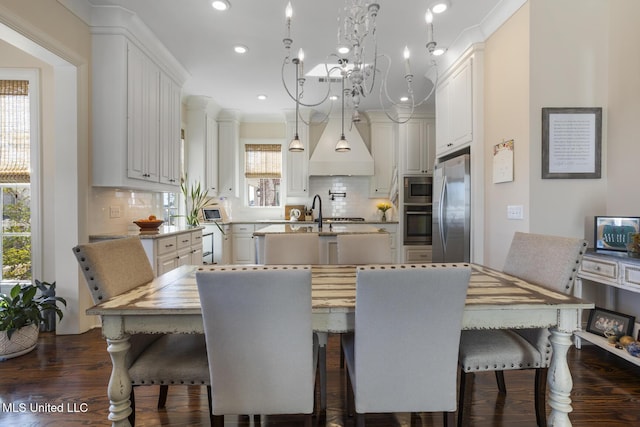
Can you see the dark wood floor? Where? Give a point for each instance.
(73, 371)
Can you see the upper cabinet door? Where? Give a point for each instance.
(169, 131)
(454, 109)
(143, 102)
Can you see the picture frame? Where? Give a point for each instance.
(571, 143)
(606, 323)
(611, 233)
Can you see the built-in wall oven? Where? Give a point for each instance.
(417, 189)
(417, 224)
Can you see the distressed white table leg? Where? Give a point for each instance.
(119, 383)
(559, 380)
(322, 366)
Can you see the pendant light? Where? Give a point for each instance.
(343, 145)
(296, 145)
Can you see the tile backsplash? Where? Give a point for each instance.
(356, 203)
(113, 211)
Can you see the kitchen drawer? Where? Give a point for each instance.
(184, 240)
(167, 244)
(600, 268)
(631, 275)
(417, 254)
(242, 228)
(196, 238)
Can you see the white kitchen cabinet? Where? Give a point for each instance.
(244, 251)
(202, 143)
(169, 252)
(136, 117)
(417, 254)
(211, 154)
(297, 170)
(143, 79)
(455, 105)
(383, 143)
(228, 152)
(169, 133)
(417, 146)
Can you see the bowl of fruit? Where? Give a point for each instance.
(149, 225)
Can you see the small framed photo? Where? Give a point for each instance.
(607, 323)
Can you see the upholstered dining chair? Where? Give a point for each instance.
(407, 317)
(550, 261)
(260, 342)
(112, 267)
(359, 249)
(292, 248)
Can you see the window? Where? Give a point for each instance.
(15, 178)
(263, 170)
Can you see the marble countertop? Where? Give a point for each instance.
(163, 231)
(332, 229)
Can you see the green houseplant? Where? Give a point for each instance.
(196, 197)
(22, 312)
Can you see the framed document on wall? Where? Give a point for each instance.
(571, 142)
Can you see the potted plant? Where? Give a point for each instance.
(196, 198)
(22, 312)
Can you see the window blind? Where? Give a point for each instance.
(15, 141)
(263, 161)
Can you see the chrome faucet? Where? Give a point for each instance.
(313, 206)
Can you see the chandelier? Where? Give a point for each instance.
(358, 66)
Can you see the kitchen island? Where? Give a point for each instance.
(328, 236)
(168, 248)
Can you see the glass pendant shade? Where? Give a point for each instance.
(295, 145)
(342, 145)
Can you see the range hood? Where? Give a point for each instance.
(326, 161)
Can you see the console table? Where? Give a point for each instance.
(616, 271)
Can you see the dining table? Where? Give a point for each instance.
(170, 304)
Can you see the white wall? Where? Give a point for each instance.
(506, 118)
(49, 33)
(568, 67)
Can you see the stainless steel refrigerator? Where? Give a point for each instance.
(452, 210)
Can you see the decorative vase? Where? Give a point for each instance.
(384, 216)
(22, 342)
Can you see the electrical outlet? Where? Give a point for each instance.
(515, 212)
(114, 212)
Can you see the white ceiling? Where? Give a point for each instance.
(202, 40)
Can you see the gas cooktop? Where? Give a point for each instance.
(342, 219)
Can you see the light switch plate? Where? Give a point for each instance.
(515, 212)
(114, 212)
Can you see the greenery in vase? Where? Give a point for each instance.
(196, 198)
(22, 307)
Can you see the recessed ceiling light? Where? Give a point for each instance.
(240, 49)
(343, 50)
(220, 4)
(333, 97)
(262, 97)
(404, 98)
(439, 6)
(439, 51)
